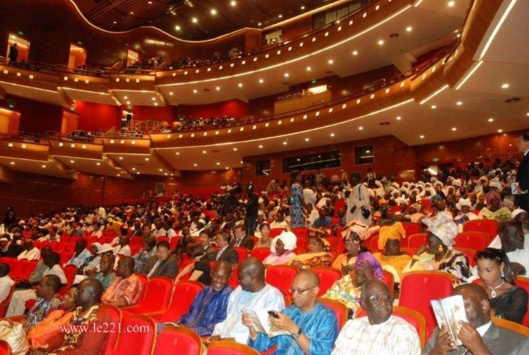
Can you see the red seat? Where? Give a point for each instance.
(65, 256)
(162, 239)
(274, 232)
(136, 241)
(139, 342)
(416, 240)
(473, 240)
(260, 253)
(488, 226)
(389, 279)
(371, 243)
(415, 318)
(469, 253)
(328, 276)
(281, 277)
(523, 282)
(183, 295)
(243, 253)
(174, 242)
(234, 279)
(418, 288)
(300, 232)
(339, 309)
(115, 314)
(157, 296)
(5, 349)
(28, 269)
(227, 347)
(412, 228)
(171, 338)
(18, 269)
(9, 261)
(143, 280)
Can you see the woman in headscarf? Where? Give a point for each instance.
(494, 209)
(438, 253)
(389, 227)
(347, 289)
(392, 258)
(318, 252)
(353, 246)
(282, 249)
(297, 202)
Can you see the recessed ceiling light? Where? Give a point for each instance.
(451, 3)
(309, 68)
(194, 20)
(72, 161)
(146, 159)
(12, 163)
(302, 7)
(409, 29)
(307, 139)
(284, 143)
(331, 61)
(261, 81)
(332, 134)
(120, 158)
(44, 166)
(195, 91)
(355, 52)
(204, 152)
(434, 107)
(399, 118)
(380, 42)
(500, 130)
(177, 28)
(235, 149)
(505, 86)
(171, 93)
(161, 169)
(421, 136)
(125, 97)
(217, 88)
(98, 164)
(454, 129)
(260, 146)
(459, 103)
(286, 75)
(360, 128)
(491, 119)
(527, 114)
(218, 163)
(240, 85)
(132, 12)
(195, 164)
(280, 16)
(213, 11)
(177, 153)
(233, 3)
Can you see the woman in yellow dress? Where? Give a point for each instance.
(392, 258)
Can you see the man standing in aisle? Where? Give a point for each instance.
(521, 197)
(358, 206)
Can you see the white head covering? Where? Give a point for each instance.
(97, 245)
(289, 240)
(444, 228)
(105, 248)
(457, 182)
(495, 184)
(516, 212)
(463, 202)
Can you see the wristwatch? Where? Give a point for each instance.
(296, 334)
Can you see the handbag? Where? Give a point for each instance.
(14, 335)
(366, 212)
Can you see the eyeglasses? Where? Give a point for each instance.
(378, 298)
(300, 291)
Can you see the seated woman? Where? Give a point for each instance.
(438, 253)
(494, 269)
(49, 327)
(347, 289)
(494, 209)
(318, 252)
(282, 249)
(392, 258)
(389, 225)
(264, 241)
(200, 269)
(353, 246)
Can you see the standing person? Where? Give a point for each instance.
(252, 208)
(13, 54)
(521, 198)
(358, 202)
(297, 203)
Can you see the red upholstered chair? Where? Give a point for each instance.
(274, 232)
(412, 228)
(327, 275)
(234, 279)
(28, 268)
(415, 318)
(141, 341)
(523, 282)
(174, 242)
(470, 254)
(136, 241)
(5, 349)
(371, 243)
(260, 253)
(115, 314)
(9, 261)
(144, 280)
(243, 253)
(418, 288)
(473, 240)
(181, 338)
(389, 279)
(183, 296)
(302, 243)
(339, 309)
(281, 276)
(489, 226)
(157, 296)
(17, 271)
(227, 347)
(300, 232)
(5, 302)
(416, 240)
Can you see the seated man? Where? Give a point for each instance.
(5, 281)
(163, 263)
(48, 301)
(323, 220)
(226, 251)
(312, 327)
(19, 298)
(80, 254)
(379, 333)
(148, 250)
(88, 315)
(479, 335)
(31, 252)
(252, 293)
(106, 271)
(210, 305)
(126, 288)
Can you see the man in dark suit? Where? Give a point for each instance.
(226, 251)
(521, 198)
(495, 340)
(241, 239)
(204, 239)
(161, 264)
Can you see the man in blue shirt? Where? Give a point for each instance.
(312, 327)
(323, 220)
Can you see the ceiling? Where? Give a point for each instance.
(471, 108)
(196, 19)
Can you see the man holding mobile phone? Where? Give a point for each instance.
(312, 327)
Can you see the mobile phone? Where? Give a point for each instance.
(273, 314)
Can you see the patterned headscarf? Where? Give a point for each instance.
(367, 257)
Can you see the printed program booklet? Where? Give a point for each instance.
(262, 324)
(449, 311)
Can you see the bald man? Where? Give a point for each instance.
(479, 335)
(312, 327)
